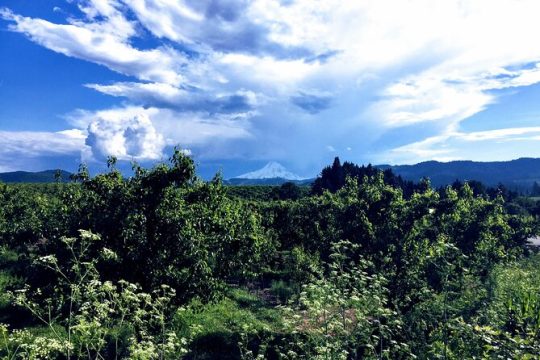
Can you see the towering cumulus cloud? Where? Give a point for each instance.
(126, 138)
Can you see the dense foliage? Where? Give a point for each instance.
(333, 178)
(163, 265)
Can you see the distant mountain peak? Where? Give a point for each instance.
(272, 170)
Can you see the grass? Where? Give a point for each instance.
(216, 329)
(239, 311)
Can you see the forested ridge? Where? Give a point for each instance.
(362, 265)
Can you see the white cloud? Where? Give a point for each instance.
(267, 70)
(165, 95)
(438, 94)
(478, 145)
(452, 53)
(142, 133)
(147, 92)
(194, 129)
(509, 133)
(115, 22)
(102, 43)
(15, 146)
(208, 25)
(125, 137)
(383, 64)
(33, 143)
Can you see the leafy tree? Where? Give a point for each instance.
(289, 191)
(334, 177)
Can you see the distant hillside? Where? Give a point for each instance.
(33, 177)
(520, 173)
(517, 174)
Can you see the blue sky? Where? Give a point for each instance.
(238, 83)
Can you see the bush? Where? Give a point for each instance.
(281, 290)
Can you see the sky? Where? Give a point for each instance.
(239, 83)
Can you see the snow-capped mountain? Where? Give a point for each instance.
(272, 170)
